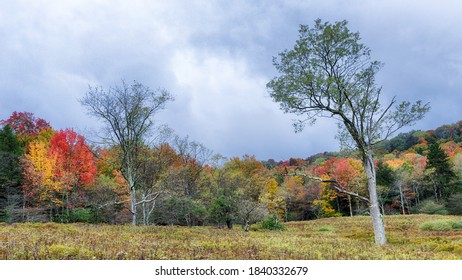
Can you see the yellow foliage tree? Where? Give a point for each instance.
(323, 204)
(273, 199)
(41, 188)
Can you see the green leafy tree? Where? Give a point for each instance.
(329, 73)
(223, 208)
(224, 205)
(247, 179)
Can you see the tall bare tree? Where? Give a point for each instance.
(127, 113)
(329, 73)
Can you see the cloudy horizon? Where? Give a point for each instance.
(215, 57)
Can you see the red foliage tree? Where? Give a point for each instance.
(75, 163)
(26, 125)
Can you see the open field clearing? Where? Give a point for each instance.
(410, 237)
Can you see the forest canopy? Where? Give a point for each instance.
(57, 175)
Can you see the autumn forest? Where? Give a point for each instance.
(57, 175)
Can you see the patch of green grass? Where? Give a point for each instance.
(325, 229)
(437, 225)
(441, 225)
(457, 225)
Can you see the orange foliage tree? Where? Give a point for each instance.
(348, 173)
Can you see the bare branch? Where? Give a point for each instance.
(112, 203)
(334, 184)
(145, 200)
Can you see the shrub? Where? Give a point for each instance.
(433, 208)
(75, 216)
(457, 225)
(271, 222)
(81, 216)
(438, 225)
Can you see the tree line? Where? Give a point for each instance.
(55, 175)
(50, 175)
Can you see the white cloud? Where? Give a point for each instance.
(219, 80)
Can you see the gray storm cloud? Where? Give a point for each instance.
(215, 57)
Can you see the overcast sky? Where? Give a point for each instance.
(215, 57)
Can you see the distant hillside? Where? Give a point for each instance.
(417, 172)
(405, 141)
(414, 140)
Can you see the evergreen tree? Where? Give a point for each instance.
(439, 172)
(385, 175)
(385, 182)
(10, 171)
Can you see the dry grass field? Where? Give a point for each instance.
(416, 237)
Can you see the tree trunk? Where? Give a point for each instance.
(129, 176)
(417, 192)
(349, 204)
(435, 190)
(24, 208)
(62, 207)
(145, 213)
(376, 216)
(133, 204)
(152, 209)
(401, 196)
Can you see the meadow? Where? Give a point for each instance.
(416, 237)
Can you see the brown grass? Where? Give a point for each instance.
(349, 238)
